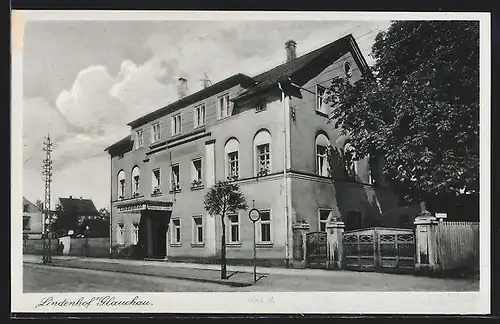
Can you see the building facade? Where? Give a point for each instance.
(32, 219)
(268, 133)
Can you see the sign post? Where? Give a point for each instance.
(254, 216)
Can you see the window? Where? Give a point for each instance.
(262, 144)
(323, 219)
(156, 132)
(234, 229)
(320, 99)
(135, 232)
(156, 181)
(121, 184)
(176, 124)
(26, 208)
(175, 178)
(136, 175)
(176, 231)
(139, 139)
(26, 223)
(261, 106)
(351, 165)
(120, 234)
(322, 166)
(223, 106)
(196, 174)
(232, 159)
(199, 115)
(347, 69)
(198, 230)
(264, 227)
(354, 220)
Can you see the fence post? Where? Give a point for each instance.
(299, 247)
(335, 244)
(426, 242)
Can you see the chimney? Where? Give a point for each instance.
(70, 197)
(182, 88)
(291, 52)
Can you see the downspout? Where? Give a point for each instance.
(285, 182)
(111, 208)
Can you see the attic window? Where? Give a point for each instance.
(261, 106)
(347, 69)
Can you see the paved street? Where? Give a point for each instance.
(40, 278)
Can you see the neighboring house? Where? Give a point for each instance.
(83, 209)
(32, 219)
(236, 129)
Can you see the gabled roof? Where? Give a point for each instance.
(193, 98)
(313, 62)
(78, 206)
(31, 206)
(124, 141)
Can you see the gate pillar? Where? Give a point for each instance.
(299, 244)
(426, 242)
(335, 244)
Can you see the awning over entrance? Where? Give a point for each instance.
(139, 205)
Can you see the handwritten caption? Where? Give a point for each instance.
(99, 301)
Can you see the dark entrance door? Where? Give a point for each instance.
(159, 226)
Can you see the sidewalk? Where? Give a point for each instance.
(269, 279)
(151, 268)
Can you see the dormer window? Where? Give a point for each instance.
(261, 106)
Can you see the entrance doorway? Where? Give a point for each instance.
(154, 233)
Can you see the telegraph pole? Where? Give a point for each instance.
(47, 172)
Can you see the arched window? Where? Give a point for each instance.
(231, 154)
(121, 184)
(322, 145)
(350, 161)
(136, 174)
(262, 153)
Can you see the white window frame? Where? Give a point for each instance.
(194, 173)
(155, 132)
(156, 181)
(174, 238)
(223, 113)
(320, 221)
(122, 182)
(354, 163)
(258, 231)
(136, 185)
(196, 229)
(135, 232)
(196, 115)
(320, 98)
(139, 138)
(260, 167)
(120, 233)
(172, 178)
(176, 124)
(232, 146)
(322, 161)
(230, 225)
(263, 137)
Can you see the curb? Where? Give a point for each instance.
(216, 281)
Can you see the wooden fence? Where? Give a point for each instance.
(458, 246)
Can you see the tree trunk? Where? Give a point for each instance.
(223, 274)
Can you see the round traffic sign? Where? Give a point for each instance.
(254, 215)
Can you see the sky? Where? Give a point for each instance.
(83, 81)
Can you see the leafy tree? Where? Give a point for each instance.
(419, 110)
(104, 213)
(222, 198)
(65, 221)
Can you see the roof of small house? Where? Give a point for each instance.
(79, 206)
(31, 206)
